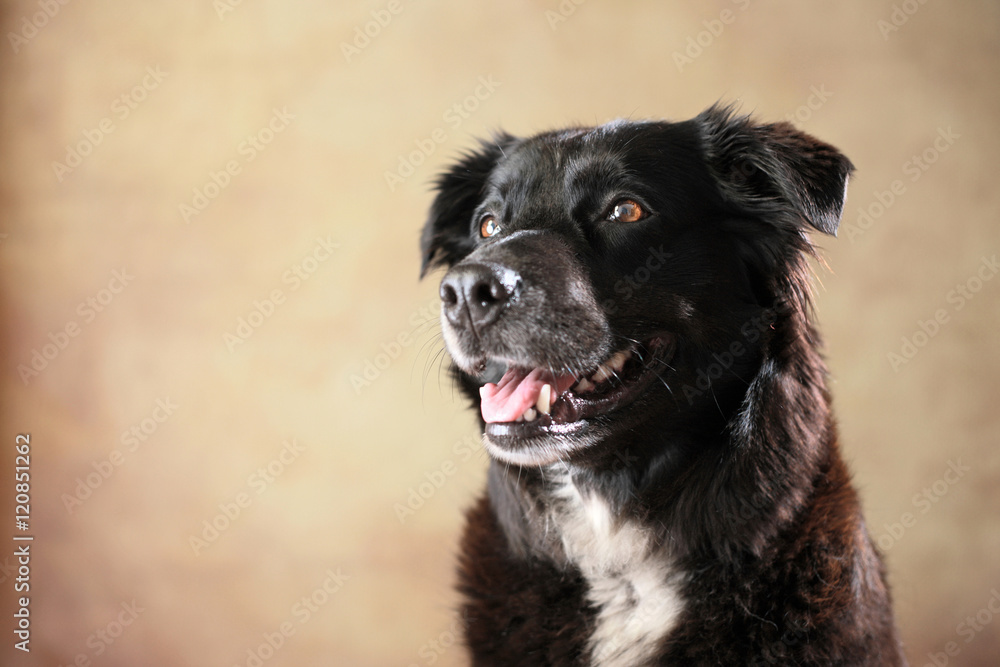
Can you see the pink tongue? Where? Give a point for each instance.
(517, 391)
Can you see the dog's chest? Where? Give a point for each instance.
(633, 586)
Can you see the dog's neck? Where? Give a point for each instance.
(711, 496)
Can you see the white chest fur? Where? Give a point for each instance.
(631, 584)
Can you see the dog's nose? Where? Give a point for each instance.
(476, 294)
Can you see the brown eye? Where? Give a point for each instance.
(488, 227)
(627, 210)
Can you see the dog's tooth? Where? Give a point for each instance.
(544, 401)
(529, 415)
(613, 365)
(602, 373)
(583, 386)
(618, 359)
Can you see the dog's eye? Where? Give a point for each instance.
(489, 226)
(627, 210)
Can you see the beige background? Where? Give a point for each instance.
(367, 449)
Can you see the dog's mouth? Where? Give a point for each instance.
(531, 402)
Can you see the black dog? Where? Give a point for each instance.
(629, 307)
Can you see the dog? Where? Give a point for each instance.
(628, 306)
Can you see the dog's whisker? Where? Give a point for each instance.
(431, 358)
(422, 325)
(665, 383)
(435, 359)
(436, 336)
(715, 399)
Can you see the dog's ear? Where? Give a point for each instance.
(775, 168)
(446, 238)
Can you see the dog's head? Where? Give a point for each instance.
(598, 277)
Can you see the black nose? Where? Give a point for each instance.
(476, 294)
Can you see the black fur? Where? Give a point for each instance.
(729, 459)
